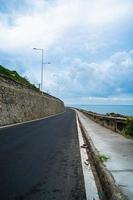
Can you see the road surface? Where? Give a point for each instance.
(41, 160)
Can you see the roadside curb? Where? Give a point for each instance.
(91, 189)
(33, 120)
(109, 186)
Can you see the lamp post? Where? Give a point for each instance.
(42, 63)
(45, 63)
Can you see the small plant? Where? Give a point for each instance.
(103, 157)
(128, 130)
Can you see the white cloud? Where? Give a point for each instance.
(106, 81)
(71, 30)
(47, 22)
(110, 78)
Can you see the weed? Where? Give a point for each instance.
(103, 157)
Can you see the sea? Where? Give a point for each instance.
(103, 109)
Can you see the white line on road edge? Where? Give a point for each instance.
(89, 180)
(10, 125)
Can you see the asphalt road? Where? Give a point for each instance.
(41, 160)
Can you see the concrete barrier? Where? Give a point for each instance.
(114, 123)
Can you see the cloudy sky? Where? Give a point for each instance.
(89, 44)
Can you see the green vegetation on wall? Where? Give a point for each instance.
(15, 76)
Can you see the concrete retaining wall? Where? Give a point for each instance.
(114, 123)
(19, 103)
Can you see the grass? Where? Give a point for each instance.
(15, 76)
(128, 130)
(103, 157)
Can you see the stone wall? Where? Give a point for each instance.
(19, 103)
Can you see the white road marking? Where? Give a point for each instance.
(89, 180)
(10, 125)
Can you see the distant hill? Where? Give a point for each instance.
(15, 76)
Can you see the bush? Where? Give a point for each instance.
(128, 130)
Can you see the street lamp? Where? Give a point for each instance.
(45, 63)
(42, 63)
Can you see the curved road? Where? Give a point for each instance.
(41, 160)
